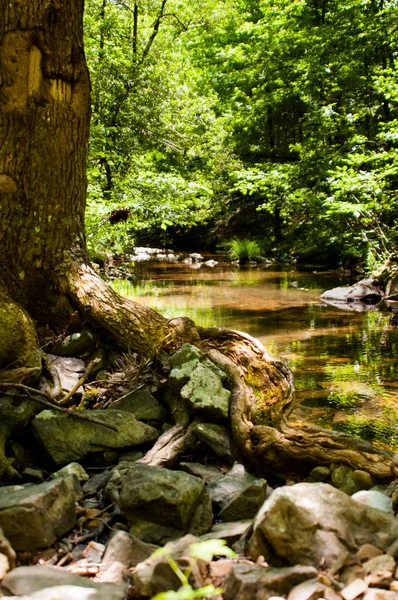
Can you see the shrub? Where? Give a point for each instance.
(243, 250)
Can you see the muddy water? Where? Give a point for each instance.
(345, 364)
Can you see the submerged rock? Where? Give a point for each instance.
(312, 523)
(34, 516)
(67, 439)
(160, 504)
(359, 297)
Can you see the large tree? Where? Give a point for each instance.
(46, 277)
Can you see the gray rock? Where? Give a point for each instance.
(208, 473)
(125, 549)
(238, 494)
(143, 405)
(319, 474)
(217, 438)
(160, 504)
(34, 516)
(379, 594)
(100, 355)
(312, 523)
(42, 582)
(96, 483)
(69, 371)
(342, 479)
(379, 570)
(156, 575)
(231, 532)
(75, 344)
(67, 439)
(308, 590)
(375, 500)
(244, 581)
(71, 469)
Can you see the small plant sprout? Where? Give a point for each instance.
(199, 551)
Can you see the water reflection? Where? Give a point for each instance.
(344, 363)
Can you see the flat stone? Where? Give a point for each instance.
(69, 371)
(160, 504)
(244, 582)
(125, 549)
(71, 469)
(34, 516)
(374, 499)
(354, 589)
(208, 473)
(379, 594)
(325, 522)
(308, 590)
(238, 494)
(96, 483)
(67, 439)
(143, 405)
(48, 583)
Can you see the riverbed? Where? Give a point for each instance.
(345, 363)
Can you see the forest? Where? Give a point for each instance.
(145, 455)
(270, 120)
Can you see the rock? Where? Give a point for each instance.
(238, 494)
(160, 504)
(342, 479)
(48, 583)
(30, 474)
(71, 469)
(75, 344)
(195, 384)
(377, 594)
(143, 405)
(374, 499)
(96, 483)
(6, 549)
(208, 473)
(379, 570)
(114, 573)
(217, 438)
(156, 575)
(231, 532)
(325, 522)
(125, 549)
(368, 551)
(362, 479)
(4, 565)
(67, 439)
(69, 371)
(34, 516)
(196, 257)
(308, 590)
(319, 474)
(354, 589)
(244, 581)
(211, 263)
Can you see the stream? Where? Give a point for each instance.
(345, 363)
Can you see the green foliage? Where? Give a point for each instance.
(202, 550)
(243, 250)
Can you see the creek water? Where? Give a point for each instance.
(345, 363)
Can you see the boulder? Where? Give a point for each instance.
(48, 583)
(359, 297)
(143, 405)
(160, 504)
(312, 523)
(238, 494)
(208, 473)
(196, 384)
(374, 499)
(245, 582)
(217, 438)
(67, 439)
(34, 516)
(71, 469)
